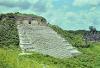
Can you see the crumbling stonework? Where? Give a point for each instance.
(31, 20)
(38, 37)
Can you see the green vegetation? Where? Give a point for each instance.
(10, 58)
(8, 33)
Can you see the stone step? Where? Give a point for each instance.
(44, 40)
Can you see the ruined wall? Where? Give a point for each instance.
(32, 21)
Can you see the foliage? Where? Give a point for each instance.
(8, 33)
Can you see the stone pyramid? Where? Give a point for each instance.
(44, 40)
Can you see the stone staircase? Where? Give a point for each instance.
(44, 40)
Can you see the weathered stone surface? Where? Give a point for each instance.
(44, 40)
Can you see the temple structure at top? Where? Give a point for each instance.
(33, 20)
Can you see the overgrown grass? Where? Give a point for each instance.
(10, 58)
(90, 58)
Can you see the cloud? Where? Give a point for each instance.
(39, 6)
(86, 2)
(19, 4)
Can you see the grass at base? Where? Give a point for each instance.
(9, 58)
(90, 58)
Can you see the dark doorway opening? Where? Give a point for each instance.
(29, 22)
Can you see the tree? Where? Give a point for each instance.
(92, 29)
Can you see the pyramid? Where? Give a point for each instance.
(35, 37)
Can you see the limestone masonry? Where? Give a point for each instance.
(36, 36)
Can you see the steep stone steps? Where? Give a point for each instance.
(44, 40)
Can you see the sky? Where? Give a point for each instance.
(67, 14)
